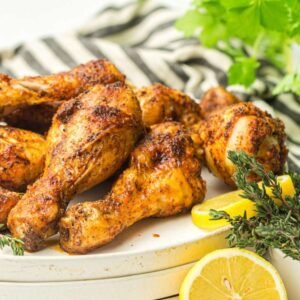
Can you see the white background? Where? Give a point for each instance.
(28, 19)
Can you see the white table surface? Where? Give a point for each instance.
(22, 20)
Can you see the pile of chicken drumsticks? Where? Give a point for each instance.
(70, 131)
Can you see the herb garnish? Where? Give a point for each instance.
(273, 226)
(248, 31)
(15, 244)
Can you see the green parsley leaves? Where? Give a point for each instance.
(243, 71)
(248, 30)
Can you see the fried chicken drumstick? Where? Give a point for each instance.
(163, 179)
(216, 99)
(36, 118)
(22, 157)
(90, 137)
(241, 126)
(27, 91)
(8, 200)
(160, 104)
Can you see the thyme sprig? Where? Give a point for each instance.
(273, 226)
(15, 244)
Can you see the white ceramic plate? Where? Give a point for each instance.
(151, 245)
(161, 285)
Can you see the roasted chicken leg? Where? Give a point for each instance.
(163, 179)
(16, 93)
(216, 99)
(90, 138)
(8, 200)
(245, 127)
(22, 157)
(160, 103)
(36, 118)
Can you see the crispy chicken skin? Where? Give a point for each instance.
(160, 104)
(90, 138)
(15, 93)
(163, 179)
(36, 118)
(216, 99)
(22, 157)
(8, 200)
(245, 127)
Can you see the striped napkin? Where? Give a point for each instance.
(140, 38)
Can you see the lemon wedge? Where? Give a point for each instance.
(232, 274)
(234, 205)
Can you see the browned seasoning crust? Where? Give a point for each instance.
(216, 99)
(245, 127)
(15, 93)
(90, 137)
(163, 179)
(160, 103)
(36, 118)
(8, 200)
(22, 157)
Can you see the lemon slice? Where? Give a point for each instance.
(232, 274)
(234, 205)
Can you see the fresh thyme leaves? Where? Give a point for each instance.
(15, 244)
(248, 31)
(273, 226)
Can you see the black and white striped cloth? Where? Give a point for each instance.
(140, 38)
